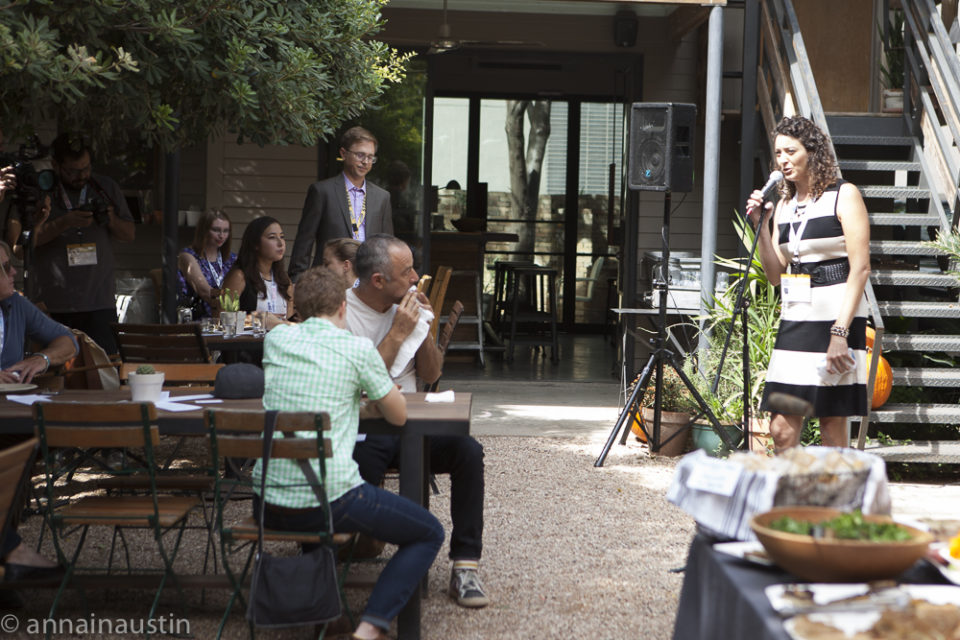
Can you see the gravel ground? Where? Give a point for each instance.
(570, 551)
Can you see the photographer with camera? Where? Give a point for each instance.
(74, 261)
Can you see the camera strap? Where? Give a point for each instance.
(66, 199)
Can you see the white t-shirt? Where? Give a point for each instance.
(273, 301)
(367, 322)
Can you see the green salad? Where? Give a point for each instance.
(846, 526)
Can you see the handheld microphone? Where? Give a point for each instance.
(775, 177)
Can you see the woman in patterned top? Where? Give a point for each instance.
(204, 264)
(821, 260)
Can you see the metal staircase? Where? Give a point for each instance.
(916, 299)
(908, 171)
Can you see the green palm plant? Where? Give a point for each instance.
(763, 320)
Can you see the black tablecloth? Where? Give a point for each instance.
(722, 597)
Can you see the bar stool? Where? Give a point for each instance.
(502, 282)
(539, 284)
(471, 318)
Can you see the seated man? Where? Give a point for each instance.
(385, 307)
(19, 320)
(317, 366)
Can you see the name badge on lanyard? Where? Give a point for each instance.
(82, 255)
(795, 287)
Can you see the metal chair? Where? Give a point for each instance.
(88, 426)
(239, 434)
(154, 343)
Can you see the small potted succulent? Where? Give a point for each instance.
(145, 384)
(231, 318)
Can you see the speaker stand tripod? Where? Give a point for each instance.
(661, 355)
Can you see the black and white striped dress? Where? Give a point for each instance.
(804, 334)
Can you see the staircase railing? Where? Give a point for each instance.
(785, 87)
(931, 98)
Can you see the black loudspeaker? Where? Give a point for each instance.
(661, 146)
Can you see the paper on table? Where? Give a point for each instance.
(28, 398)
(175, 406)
(443, 396)
(211, 401)
(196, 396)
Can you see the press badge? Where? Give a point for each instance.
(82, 255)
(795, 287)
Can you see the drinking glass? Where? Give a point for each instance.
(257, 323)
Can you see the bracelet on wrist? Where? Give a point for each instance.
(46, 359)
(840, 331)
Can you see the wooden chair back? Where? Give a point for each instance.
(237, 433)
(177, 374)
(161, 343)
(438, 293)
(15, 465)
(446, 333)
(91, 425)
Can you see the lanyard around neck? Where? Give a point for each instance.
(795, 235)
(356, 222)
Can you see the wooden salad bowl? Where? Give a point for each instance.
(835, 560)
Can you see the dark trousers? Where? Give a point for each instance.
(462, 458)
(11, 540)
(95, 324)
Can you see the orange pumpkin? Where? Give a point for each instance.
(883, 384)
(635, 426)
(871, 334)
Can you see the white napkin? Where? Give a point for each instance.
(28, 398)
(409, 347)
(443, 396)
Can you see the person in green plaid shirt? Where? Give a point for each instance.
(318, 366)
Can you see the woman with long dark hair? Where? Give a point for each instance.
(205, 263)
(817, 250)
(259, 277)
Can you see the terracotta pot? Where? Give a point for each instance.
(670, 423)
(760, 439)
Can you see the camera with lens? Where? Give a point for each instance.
(30, 183)
(99, 208)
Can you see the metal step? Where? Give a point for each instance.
(919, 342)
(891, 191)
(902, 248)
(920, 451)
(916, 413)
(879, 165)
(927, 377)
(907, 219)
(912, 279)
(871, 141)
(914, 309)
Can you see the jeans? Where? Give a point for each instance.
(462, 458)
(384, 516)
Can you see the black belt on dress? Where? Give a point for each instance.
(827, 272)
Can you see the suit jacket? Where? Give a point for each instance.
(326, 215)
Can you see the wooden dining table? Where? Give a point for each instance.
(424, 419)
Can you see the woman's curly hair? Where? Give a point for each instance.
(821, 163)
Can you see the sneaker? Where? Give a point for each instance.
(466, 589)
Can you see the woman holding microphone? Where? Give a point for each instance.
(817, 251)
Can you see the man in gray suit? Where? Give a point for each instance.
(344, 206)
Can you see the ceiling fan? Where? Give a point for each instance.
(445, 42)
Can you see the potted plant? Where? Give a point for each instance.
(145, 384)
(892, 67)
(763, 321)
(231, 318)
(676, 411)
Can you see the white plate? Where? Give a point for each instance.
(16, 387)
(853, 622)
(952, 572)
(741, 549)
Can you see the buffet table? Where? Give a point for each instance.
(722, 596)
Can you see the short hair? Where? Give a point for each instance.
(343, 248)
(319, 292)
(373, 256)
(821, 163)
(356, 134)
(203, 227)
(69, 145)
